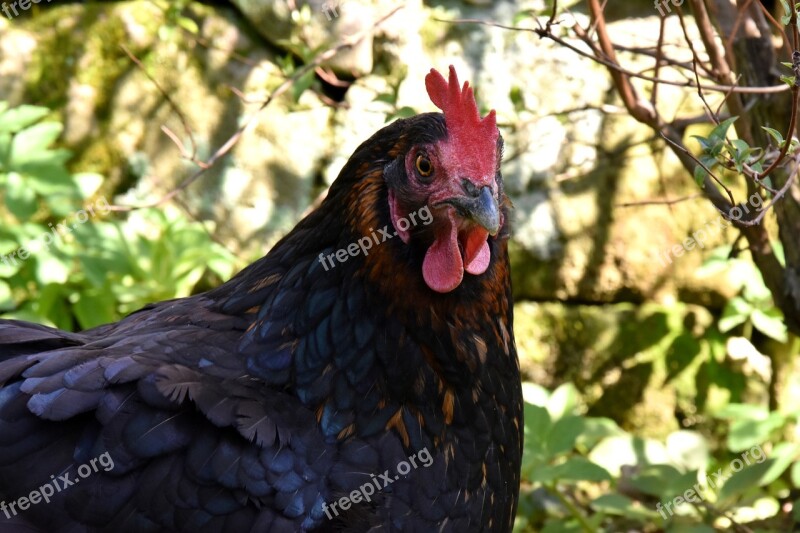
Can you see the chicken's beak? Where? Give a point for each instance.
(479, 206)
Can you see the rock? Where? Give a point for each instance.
(614, 354)
(316, 24)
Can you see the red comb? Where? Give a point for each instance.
(472, 141)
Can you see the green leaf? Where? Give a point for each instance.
(6, 299)
(94, 308)
(304, 82)
(742, 411)
(705, 143)
(49, 178)
(770, 323)
(51, 269)
(88, 183)
(389, 98)
(700, 175)
(596, 429)
(617, 504)
(537, 427)
(679, 527)
(741, 152)
(680, 485)
(189, 25)
(573, 469)
(775, 134)
(758, 474)
(517, 98)
(789, 80)
(562, 526)
(10, 265)
(795, 475)
(29, 143)
(787, 18)
(782, 456)
(688, 450)
(563, 401)
(535, 394)
(613, 453)
(657, 480)
(563, 435)
(745, 434)
(736, 312)
(403, 112)
(20, 199)
(740, 146)
(17, 118)
(720, 132)
(741, 482)
(680, 354)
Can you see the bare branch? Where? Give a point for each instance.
(344, 44)
(661, 202)
(545, 34)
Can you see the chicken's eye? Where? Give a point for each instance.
(424, 166)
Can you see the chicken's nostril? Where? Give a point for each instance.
(470, 188)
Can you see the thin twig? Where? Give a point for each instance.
(672, 201)
(346, 43)
(659, 54)
(756, 221)
(695, 61)
(543, 33)
(792, 118)
(708, 170)
(170, 101)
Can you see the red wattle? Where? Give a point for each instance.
(443, 268)
(477, 255)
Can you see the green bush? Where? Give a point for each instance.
(66, 259)
(586, 474)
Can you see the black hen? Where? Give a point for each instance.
(354, 379)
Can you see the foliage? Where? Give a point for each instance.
(65, 258)
(753, 306)
(175, 19)
(583, 473)
(750, 145)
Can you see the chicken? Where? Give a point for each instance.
(362, 376)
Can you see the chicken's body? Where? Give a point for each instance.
(273, 401)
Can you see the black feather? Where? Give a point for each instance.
(264, 404)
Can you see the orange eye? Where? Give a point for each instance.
(424, 166)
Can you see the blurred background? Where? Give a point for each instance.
(649, 360)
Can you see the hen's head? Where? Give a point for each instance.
(451, 171)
